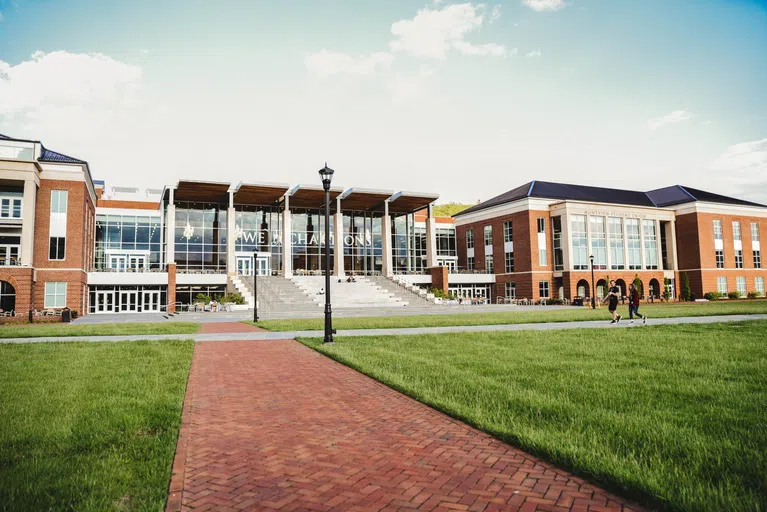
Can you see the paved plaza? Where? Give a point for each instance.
(277, 426)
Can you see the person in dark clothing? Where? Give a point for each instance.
(613, 294)
(634, 304)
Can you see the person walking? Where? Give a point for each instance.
(634, 304)
(613, 295)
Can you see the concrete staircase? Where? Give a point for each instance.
(279, 295)
(240, 284)
(364, 293)
(404, 293)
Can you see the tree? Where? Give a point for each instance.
(449, 209)
(666, 293)
(638, 285)
(684, 292)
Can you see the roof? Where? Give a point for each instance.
(658, 198)
(52, 156)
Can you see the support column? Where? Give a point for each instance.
(659, 246)
(671, 245)
(231, 227)
(338, 241)
(171, 288)
(170, 230)
(431, 238)
(388, 269)
(566, 243)
(28, 223)
(287, 245)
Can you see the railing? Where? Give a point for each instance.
(126, 270)
(469, 271)
(10, 262)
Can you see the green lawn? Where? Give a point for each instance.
(530, 314)
(673, 416)
(90, 426)
(62, 329)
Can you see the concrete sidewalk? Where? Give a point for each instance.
(288, 335)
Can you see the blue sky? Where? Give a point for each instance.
(464, 99)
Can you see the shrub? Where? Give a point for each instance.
(753, 294)
(440, 294)
(685, 287)
(554, 302)
(734, 295)
(234, 297)
(711, 295)
(202, 297)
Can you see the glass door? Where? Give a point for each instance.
(151, 302)
(263, 265)
(118, 262)
(129, 302)
(136, 262)
(245, 265)
(105, 302)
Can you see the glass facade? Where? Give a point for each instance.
(580, 242)
(200, 237)
(650, 244)
(363, 243)
(598, 242)
(634, 243)
(556, 232)
(408, 244)
(308, 239)
(446, 245)
(128, 242)
(259, 229)
(615, 231)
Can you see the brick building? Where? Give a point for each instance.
(537, 240)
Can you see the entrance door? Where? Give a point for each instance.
(129, 302)
(262, 266)
(151, 302)
(136, 262)
(105, 302)
(118, 262)
(244, 265)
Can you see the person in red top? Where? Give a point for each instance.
(634, 304)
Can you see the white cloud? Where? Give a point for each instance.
(405, 88)
(495, 14)
(742, 170)
(534, 53)
(326, 63)
(63, 79)
(743, 156)
(544, 5)
(674, 117)
(434, 32)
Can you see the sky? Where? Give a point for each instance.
(467, 100)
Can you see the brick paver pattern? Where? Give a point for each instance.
(274, 425)
(227, 328)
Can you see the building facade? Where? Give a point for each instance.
(538, 240)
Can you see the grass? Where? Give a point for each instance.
(672, 416)
(90, 426)
(63, 329)
(530, 315)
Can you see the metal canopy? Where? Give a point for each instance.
(259, 193)
(408, 202)
(202, 191)
(361, 200)
(312, 196)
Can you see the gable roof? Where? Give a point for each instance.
(52, 156)
(658, 198)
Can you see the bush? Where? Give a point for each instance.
(554, 302)
(440, 294)
(711, 295)
(685, 293)
(753, 294)
(234, 298)
(734, 295)
(201, 297)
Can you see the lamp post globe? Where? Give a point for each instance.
(593, 290)
(326, 174)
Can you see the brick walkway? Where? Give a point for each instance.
(227, 328)
(275, 426)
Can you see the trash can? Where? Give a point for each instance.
(66, 315)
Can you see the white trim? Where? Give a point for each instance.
(721, 209)
(520, 205)
(101, 210)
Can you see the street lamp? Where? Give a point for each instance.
(593, 290)
(326, 173)
(255, 287)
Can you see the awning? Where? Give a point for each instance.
(362, 200)
(202, 191)
(409, 202)
(260, 193)
(312, 196)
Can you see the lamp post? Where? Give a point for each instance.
(593, 290)
(255, 287)
(326, 173)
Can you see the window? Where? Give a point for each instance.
(615, 231)
(717, 230)
(488, 235)
(634, 242)
(58, 201)
(511, 290)
(541, 225)
(489, 264)
(740, 284)
(736, 230)
(738, 259)
(446, 242)
(57, 248)
(757, 259)
(556, 237)
(719, 259)
(469, 238)
(580, 242)
(543, 289)
(508, 232)
(598, 242)
(759, 285)
(721, 285)
(10, 205)
(542, 257)
(650, 245)
(55, 295)
(470, 263)
(754, 232)
(509, 260)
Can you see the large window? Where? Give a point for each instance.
(488, 235)
(57, 246)
(736, 230)
(55, 295)
(719, 259)
(754, 232)
(580, 242)
(200, 243)
(543, 289)
(409, 243)
(469, 238)
(717, 230)
(541, 225)
(10, 249)
(721, 285)
(58, 225)
(7, 297)
(543, 259)
(740, 283)
(362, 243)
(634, 243)
(59, 201)
(511, 290)
(759, 285)
(470, 263)
(556, 232)
(489, 264)
(446, 242)
(128, 242)
(650, 245)
(259, 229)
(738, 259)
(615, 230)
(598, 242)
(508, 231)
(509, 262)
(10, 205)
(757, 259)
